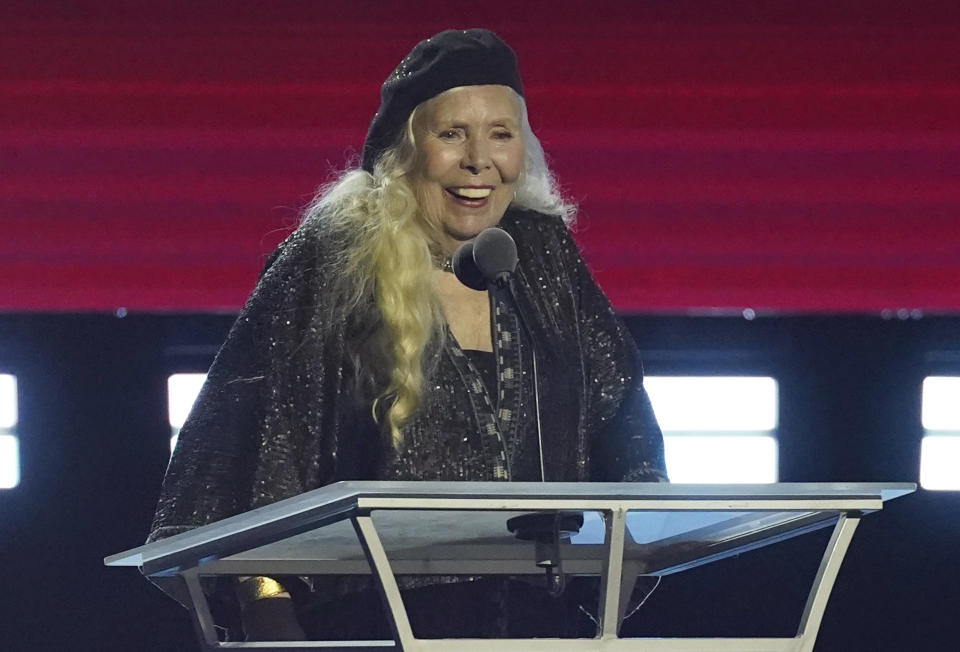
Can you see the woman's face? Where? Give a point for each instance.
(470, 156)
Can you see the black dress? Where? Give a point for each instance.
(280, 413)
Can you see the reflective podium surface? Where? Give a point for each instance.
(390, 529)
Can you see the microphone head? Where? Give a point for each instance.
(486, 259)
(495, 254)
(466, 270)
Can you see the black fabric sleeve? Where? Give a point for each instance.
(627, 444)
(242, 445)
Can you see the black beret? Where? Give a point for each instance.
(468, 57)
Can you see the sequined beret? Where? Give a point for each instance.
(469, 57)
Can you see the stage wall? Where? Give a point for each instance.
(782, 156)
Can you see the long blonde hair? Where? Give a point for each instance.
(386, 254)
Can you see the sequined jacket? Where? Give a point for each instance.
(279, 416)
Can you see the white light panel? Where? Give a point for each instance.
(940, 449)
(940, 462)
(941, 403)
(714, 403)
(8, 401)
(9, 462)
(182, 391)
(717, 429)
(721, 459)
(9, 445)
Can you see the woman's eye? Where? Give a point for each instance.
(503, 135)
(449, 134)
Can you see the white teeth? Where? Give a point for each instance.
(472, 193)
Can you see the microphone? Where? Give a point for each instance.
(487, 262)
(488, 259)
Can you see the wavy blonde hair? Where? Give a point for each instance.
(387, 254)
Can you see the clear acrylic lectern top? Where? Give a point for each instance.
(460, 528)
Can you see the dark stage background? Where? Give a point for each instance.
(798, 159)
(95, 441)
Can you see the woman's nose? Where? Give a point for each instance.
(476, 156)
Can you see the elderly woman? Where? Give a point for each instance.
(360, 355)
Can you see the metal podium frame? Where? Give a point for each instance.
(769, 513)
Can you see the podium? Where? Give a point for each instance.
(460, 528)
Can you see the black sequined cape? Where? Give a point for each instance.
(279, 416)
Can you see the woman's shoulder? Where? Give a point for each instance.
(540, 234)
(302, 252)
(297, 275)
(528, 226)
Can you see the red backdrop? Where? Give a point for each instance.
(782, 156)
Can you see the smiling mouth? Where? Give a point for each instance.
(470, 193)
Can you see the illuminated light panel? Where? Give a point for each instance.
(941, 403)
(940, 448)
(721, 459)
(9, 445)
(714, 403)
(940, 462)
(717, 429)
(9, 462)
(182, 391)
(8, 401)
